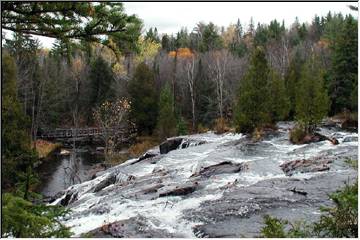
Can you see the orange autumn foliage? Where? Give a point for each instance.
(182, 53)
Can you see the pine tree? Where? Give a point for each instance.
(166, 124)
(291, 80)
(206, 107)
(101, 78)
(312, 102)
(22, 219)
(278, 100)
(252, 108)
(144, 107)
(15, 144)
(344, 67)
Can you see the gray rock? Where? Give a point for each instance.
(240, 212)
(220, 168)
(306, 165)
(135, 227)
(104, 183)
(178, 190)
(170, 144)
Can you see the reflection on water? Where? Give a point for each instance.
(59, 172)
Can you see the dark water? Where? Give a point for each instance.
(60, 172)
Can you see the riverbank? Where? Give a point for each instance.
(46, 148)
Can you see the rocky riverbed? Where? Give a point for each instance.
(209, 185)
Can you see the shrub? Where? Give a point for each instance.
(297, 134)
(202, 129)
(221, 126)
(273, 227)
(341, 220)
(44, 148)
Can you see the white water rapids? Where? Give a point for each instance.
(262, 159)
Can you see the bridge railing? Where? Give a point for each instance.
(82, 132)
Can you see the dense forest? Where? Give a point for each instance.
(111, 71)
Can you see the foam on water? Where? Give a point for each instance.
(167, 212)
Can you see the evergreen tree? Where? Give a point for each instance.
(261, 35)
(291, 80)
(106, 22)
(344, 67)
(152, 35)
(166, 124)
(278, 100)
(312, 102)
(22, 219)
(15, 145)
(101, 78)
(206, 107)
(165, 43)
(182, 39)
(211, 40)
(237, 46)
(252, 109)
(144, 108)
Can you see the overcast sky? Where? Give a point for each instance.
(169, 17)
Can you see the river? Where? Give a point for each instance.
(220, 188)
(59, 172)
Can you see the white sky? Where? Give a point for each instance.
(169, 17)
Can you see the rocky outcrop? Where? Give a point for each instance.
(152, 157)
(316, 137)
(350, 125)
(170, 144)
(135, 227)
(105, 183)
(240, 212)
(178, 190)
(70, 197)
(220, 168)
(306, 165)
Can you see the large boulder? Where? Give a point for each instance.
(220, 168)
(170, 144)
(178, 190)
(105, 183)
(306, 165)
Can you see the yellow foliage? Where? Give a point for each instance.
(144, 144)
(148, 50)
(229, 34)
(119, 69)
(44, 148)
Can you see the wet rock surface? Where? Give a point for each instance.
(221, 186)
(178, 190)
(239, 213)
(221, 168)
(135, 227)
(317, 164)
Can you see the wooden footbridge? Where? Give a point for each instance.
(70, 133)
